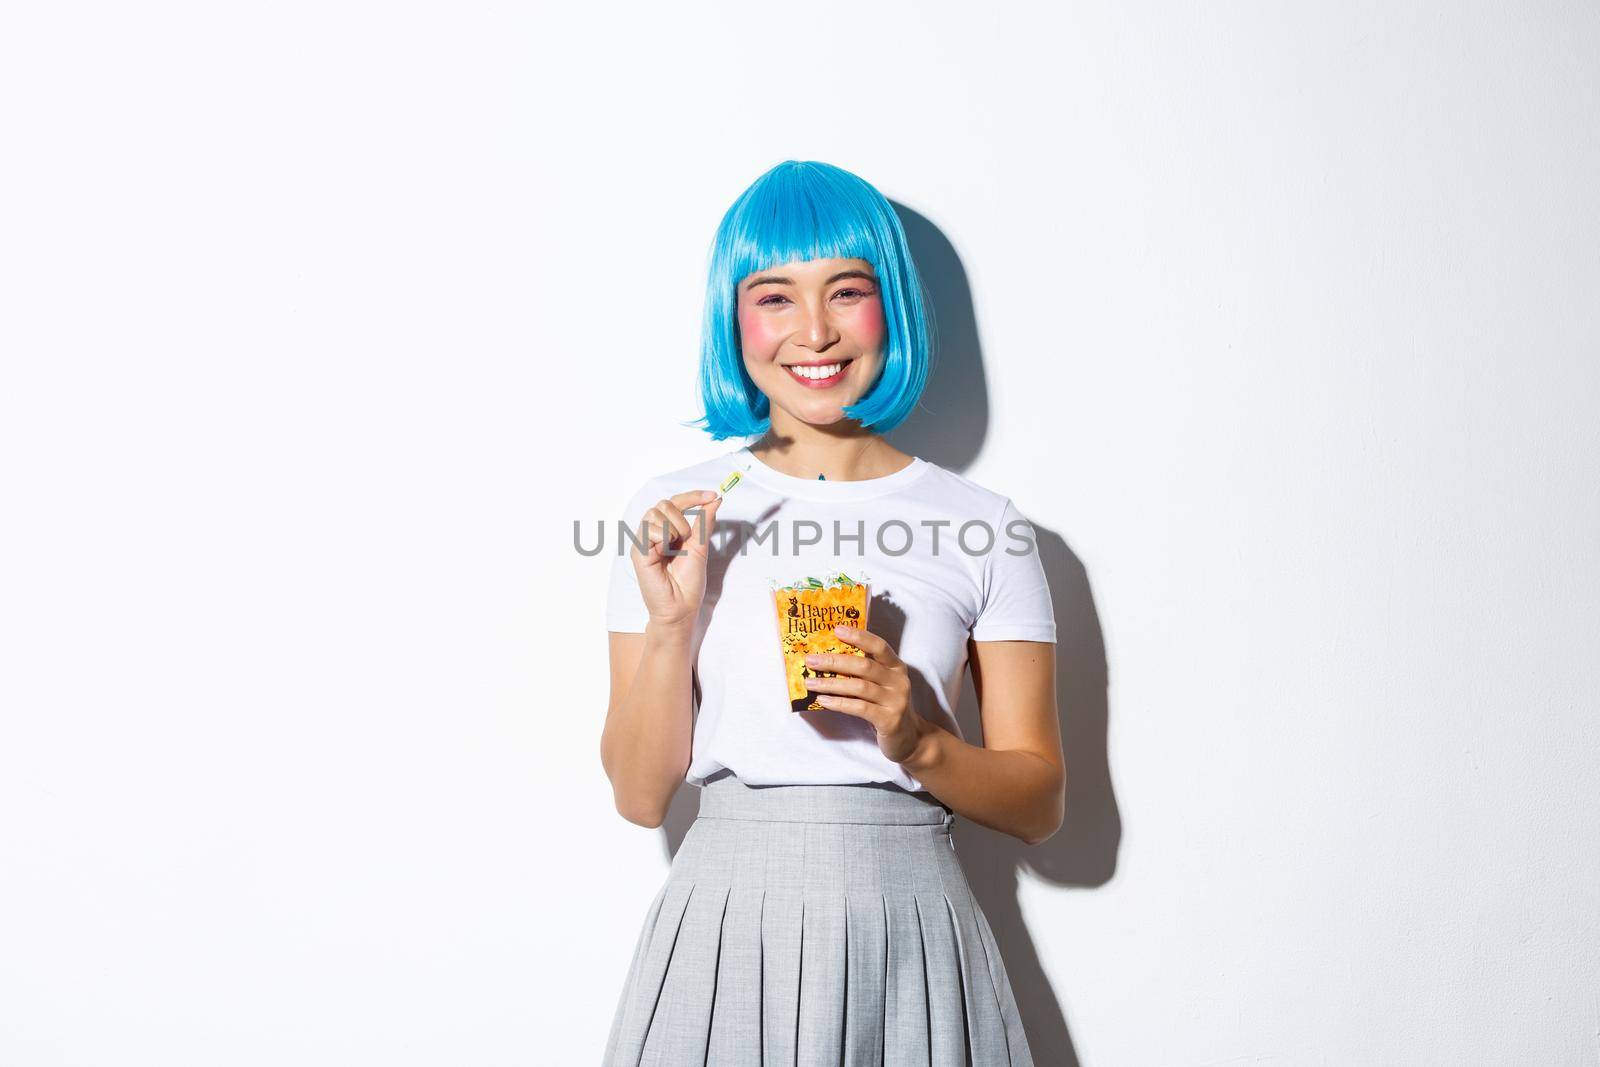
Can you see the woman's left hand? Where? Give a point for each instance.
(876, 687)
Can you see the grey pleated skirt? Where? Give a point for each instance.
(812, 925)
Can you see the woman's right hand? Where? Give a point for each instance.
(673, 585)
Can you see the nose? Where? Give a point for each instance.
(818, 332)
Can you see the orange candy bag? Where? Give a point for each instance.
(808, 610)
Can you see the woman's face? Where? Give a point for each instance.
(812, 335)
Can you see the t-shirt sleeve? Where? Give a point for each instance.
(1016, 595)
(625, 610)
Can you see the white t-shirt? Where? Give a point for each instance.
(921, 550)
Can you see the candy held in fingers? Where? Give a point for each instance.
(722, 490)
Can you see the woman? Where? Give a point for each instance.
(815, 912)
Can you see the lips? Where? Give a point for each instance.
(819, 375)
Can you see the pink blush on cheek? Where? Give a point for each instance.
(758, 339)
(868, 326)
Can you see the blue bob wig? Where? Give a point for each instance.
(794, 212)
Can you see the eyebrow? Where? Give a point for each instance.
(774, 279)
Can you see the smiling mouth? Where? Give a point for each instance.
(818, 375)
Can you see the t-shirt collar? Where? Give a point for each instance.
(822, 489)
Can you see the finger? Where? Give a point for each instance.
(692, 497)
(667, 515)
(643, 551)
(861, 709)
(705, 521)
(649, 553)
(680, 521)
(847, 686)
(656, 530)
(869, 642)
(845, 663)
(651, 532)
(665, 522)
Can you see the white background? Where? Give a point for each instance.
(322, 322)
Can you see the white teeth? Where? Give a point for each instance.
(817, 373)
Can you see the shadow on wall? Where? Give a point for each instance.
(948, 428)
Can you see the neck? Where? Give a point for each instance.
(842, 452)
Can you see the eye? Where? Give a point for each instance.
(771, 300)
(854, 292)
